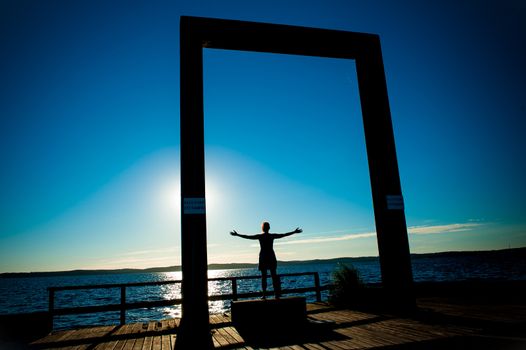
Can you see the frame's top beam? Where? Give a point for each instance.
(277, 38)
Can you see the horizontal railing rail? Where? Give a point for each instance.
(124, 305)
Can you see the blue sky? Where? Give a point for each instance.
(89, 131)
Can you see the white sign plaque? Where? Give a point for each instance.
(194, 206)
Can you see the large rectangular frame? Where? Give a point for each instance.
(197, 33)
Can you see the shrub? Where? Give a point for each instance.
(346, 286)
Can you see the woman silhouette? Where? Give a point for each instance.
(267, 257)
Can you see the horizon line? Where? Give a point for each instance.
(247, 264)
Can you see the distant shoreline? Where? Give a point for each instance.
(343, 260)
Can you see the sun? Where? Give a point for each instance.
(171, 197)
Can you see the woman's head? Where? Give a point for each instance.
(265, 226)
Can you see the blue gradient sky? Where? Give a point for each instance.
(89, 131)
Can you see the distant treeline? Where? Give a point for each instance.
(517, 252)
(87, 272)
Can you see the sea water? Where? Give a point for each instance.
(29, 294)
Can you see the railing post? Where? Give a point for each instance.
(317, 285)
(234, 289)
(123, 305)
(51, 307)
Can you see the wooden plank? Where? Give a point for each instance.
(419, 332)
(425, 332)
(174, 323)
(104, 330)
(391, 338)
(335, 345)
(83, 346)
(151, 326)
(392, 328)
(136, 328)
(215, 319)
(234, 334)
(219, 320)
(165, 325)
(51, 338)
(215, 341)
(166, 342)
(381, 337)
(219, 337)
(173, 338)
(100, 332)
(147, 344)
(156, 345)
(358, 337)
(69, 348)
(228, 337)
(351, 316)
(120, 344)
(128, 345)
(125, 329)
(72, 335)
(342, 316)
(349, 344)
(90, 337)
(138, 345)
(110, 345)
(312, 346)
(413, 328)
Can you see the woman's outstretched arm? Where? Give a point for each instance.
(281, 235)
(234, 233)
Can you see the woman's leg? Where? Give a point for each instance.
(264, 282)
(276, 283)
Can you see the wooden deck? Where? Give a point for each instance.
(435, 326)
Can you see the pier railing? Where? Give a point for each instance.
(124, 305)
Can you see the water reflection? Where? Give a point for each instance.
(219, 288)
(170, 292)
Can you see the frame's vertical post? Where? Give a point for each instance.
(194, 331)
(391, 230)
(123, 306)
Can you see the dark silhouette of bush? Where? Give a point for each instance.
(347, 286)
